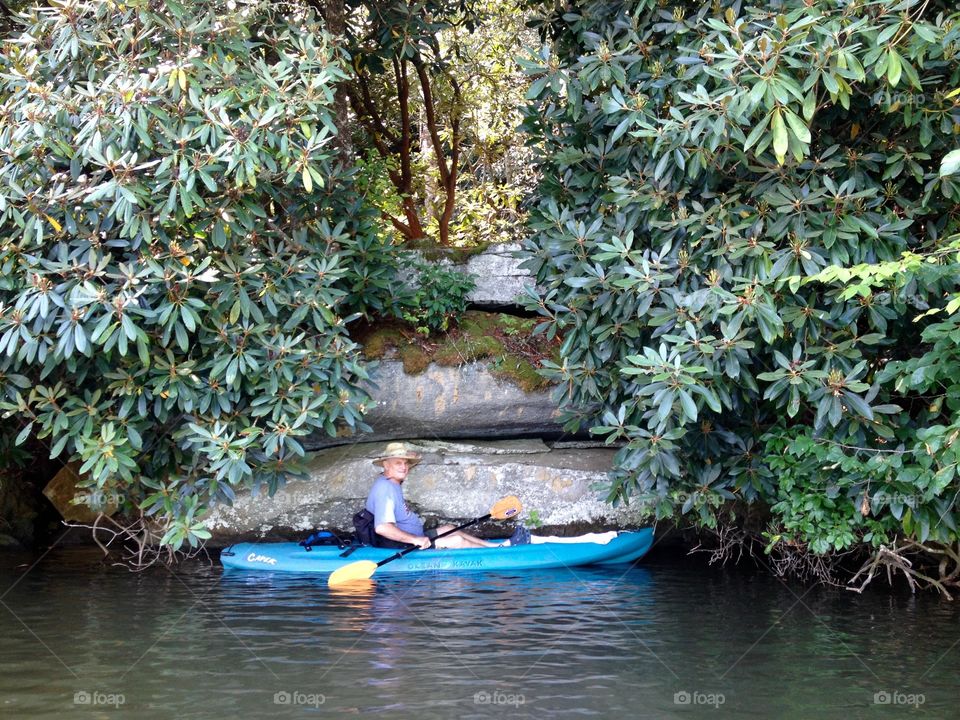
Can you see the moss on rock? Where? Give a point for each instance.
(457, 255)
(377, 343)
(521, 372)
(415, 358)
(455, 351)
(505, 341)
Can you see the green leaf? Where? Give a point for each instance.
(798, 127)
(793, 407)
(809, 105)
(858, 405)
(926, 32)
(780, 143)
(24, 434)
(757, 132)
(894, 67)
(950, 163)
(688, 405)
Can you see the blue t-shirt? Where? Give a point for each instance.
(386, 503)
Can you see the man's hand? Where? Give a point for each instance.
(392, 532)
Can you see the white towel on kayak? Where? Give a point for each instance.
(599, 538)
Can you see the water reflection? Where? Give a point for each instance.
(462, 631)
(362, 588)
(198, 642)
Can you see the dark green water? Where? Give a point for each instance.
(668, 638)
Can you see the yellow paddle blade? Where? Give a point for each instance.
(507, 508)
(359, 570)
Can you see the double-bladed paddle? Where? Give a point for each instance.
(506, 508)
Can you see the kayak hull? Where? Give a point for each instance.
(291, 557)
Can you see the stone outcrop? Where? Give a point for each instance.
(499, 280)
(76, 504)
(465, 401)
(450, 402)
(455, 482)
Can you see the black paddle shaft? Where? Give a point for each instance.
(397, 556)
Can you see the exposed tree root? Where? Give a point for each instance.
(728, 543)
(894, 560)
(135, 545)
(783, 559)
(796, 561)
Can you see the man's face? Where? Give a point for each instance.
(396, 469)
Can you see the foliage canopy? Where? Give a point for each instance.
(179, 257)
(745, 206)
(746, 230)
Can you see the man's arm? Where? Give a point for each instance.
(390, 531)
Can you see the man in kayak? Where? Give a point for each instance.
(397, 526)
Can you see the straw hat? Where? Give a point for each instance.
(398, 451)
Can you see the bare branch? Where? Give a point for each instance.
(139, 546)
(893, 560)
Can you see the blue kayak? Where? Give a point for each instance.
(291, 557)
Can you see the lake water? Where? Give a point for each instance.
(668, 638)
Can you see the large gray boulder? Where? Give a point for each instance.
(450, 402)
(499, 279)
(455, 482)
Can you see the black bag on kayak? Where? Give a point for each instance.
(364, 528)
(367, 534)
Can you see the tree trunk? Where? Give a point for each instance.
(448, 172)
(431, 191)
